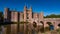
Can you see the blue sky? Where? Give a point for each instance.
(46, 6)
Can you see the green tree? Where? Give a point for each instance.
(52, 16)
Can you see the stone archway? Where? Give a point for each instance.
(51, 27)
(34, 24)
(59, 25)
(41, 22)
(41, 26)
(49, 23)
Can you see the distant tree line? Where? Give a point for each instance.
(52, 16)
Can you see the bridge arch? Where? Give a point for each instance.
(49, 23)
(59, 25)
(34, 24)
(41, 22)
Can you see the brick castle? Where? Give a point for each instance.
(28, 15)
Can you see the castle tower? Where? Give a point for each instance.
(27, 14)
(41, 16)
(25, 9)
(6, 14)
(30, 12)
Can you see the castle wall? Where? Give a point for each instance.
(14, 16)
(21, 16)
(35, 15)
(41, 16)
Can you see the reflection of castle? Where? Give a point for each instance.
(27, 15)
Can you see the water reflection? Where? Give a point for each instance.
(29, 29)
(1, 29)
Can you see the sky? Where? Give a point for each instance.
(46, 6)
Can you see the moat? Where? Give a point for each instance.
(25, 28)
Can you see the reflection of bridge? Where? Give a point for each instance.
(54, 21)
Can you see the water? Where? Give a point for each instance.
(2, 29)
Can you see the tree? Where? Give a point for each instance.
(52, 16)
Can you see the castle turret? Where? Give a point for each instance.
(30, 13)
(6, 14)
(6, 10)
(30, 8)
(25, 9)
(41, 16)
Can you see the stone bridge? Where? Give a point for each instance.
(54, 21)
